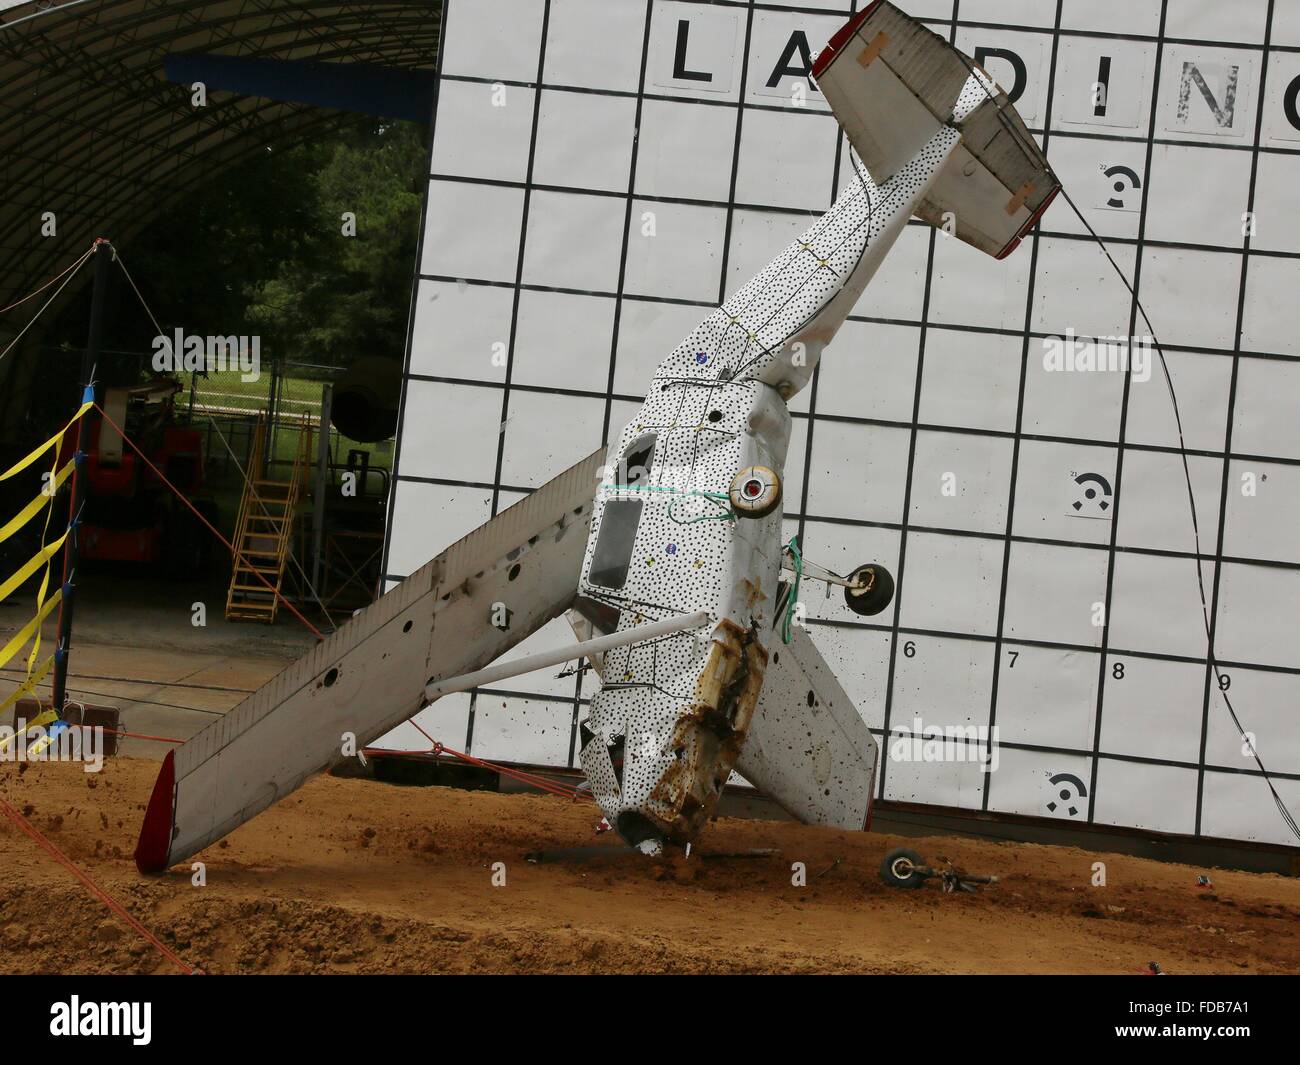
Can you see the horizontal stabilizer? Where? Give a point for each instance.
(370, 675)
(892, 83)
(808, 748)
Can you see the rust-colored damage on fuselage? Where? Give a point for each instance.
(709, 735)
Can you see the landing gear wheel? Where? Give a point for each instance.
(755, 492)
(878, 593)
(899, 868)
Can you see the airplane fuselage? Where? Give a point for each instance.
(673, 532)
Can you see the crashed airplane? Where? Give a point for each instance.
(665, 553)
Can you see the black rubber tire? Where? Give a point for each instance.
(891, 875)
(880, 596)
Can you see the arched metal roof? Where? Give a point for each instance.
(92, 130)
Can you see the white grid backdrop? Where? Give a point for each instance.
(542, 308)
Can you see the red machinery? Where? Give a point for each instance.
(130, 514)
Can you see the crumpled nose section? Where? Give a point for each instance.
(678, 753)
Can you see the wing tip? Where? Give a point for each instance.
(155, 841)
(1014, 242)
(840, 38)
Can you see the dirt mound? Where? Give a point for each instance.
(354, 876)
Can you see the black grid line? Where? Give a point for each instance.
(807, 212)
(889, 736)
(814, 384)
(1210, 657)
(1118, 487)
(741, 105)
(415, 290)
(915, 323)
(618, 303)
(900, 576)
(986, 791)
(523, 248)
(514, 308)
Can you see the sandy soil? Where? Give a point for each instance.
(354, 876)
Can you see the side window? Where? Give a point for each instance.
(613, 552)
(637, 460)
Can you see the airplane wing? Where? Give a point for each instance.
(808, 748)
(370, 675)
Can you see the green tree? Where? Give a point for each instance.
(340, 297)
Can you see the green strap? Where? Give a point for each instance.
(797, 557)
(716, 497)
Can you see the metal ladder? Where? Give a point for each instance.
(264, 530)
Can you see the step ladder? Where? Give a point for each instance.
(264, 530)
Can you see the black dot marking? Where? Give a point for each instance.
(703, 414)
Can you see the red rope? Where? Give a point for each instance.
(211, 528)
(107, 899)
(563, 790)
(37, 292)
(520, 775)
(140, 736)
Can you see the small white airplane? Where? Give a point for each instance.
(666, 552)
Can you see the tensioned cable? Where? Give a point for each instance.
(72, 272)
(36, 292)
(1033, 149)
(292, 557)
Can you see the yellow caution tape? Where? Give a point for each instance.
(44, 743)
(39, 721)
(45, 578)
(30, 629)
(29, 685)
(40, 605)
(28, 512)
(29, 567)
(53, 441)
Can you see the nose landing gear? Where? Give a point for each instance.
(870, 589)
(903, 868)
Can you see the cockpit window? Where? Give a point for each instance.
(613, 554)
(637, 460)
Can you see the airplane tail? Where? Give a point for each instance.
(892, 84)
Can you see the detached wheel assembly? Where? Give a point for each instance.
(755, 492)
(875, 591)
(901, 869)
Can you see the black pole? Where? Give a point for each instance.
(103, 257)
